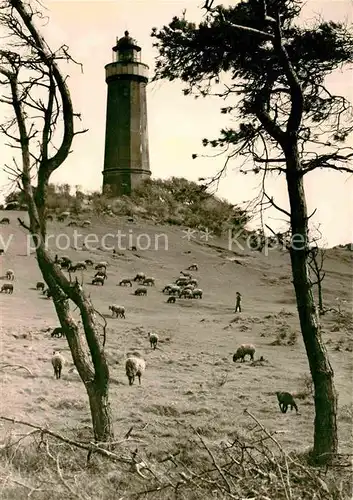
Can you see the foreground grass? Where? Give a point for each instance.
(252, 465)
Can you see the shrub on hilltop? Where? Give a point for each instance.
(174, 201)
(182, 202)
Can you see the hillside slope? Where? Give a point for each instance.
(191, 377)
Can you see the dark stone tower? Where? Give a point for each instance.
(126, 156)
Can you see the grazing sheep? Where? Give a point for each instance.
(7, 287)
(86, 223)
(166, 289)
(193, 281)
(153, 338)
(5, 220)
(134, 367)
(148, 281)
(286, 399)
(101, 274)
(142, 290)
(118, 311)
(140, 277)
(197, 293)
(40, 285)
(185, 275)
(47, 293)
(65, 262)
(171, 299)
(193, 267)
(98, 281)
(81, 265)
(189, 287)
(62, 217)
(58, 332)
(174, 289)
(76, 267)
(73, 223)
(89, 262)
(125, 282)
(101, 265)
(58, 362)
(49, 217)
(242, 351)
(187, 294)
(10, 275)
(133, 248)
(182, 281)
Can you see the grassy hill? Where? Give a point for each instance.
(191, 379)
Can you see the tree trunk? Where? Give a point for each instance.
(325, 433)
(96, 380)
(100, 411)
(319, 291)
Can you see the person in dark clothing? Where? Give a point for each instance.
(237, 302)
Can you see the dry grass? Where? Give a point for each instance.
(190, 379)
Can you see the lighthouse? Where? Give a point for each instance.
(126, 154)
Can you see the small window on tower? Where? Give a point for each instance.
(126, 56)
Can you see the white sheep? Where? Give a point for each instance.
(148, 281)
(174, 289)
(10, 274)
(153, 338)
(134, 367)
(58, 361)
(242, 351)
(197, 292)
(119, 311)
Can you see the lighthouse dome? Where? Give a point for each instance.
(127, 43)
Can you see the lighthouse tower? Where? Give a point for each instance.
(126, 155)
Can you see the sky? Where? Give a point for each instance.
(176, 123)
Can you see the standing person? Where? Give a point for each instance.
(237, 302)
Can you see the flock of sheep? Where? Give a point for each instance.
(185, 286)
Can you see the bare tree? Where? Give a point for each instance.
(272, 74)
(42, 129)
(316, 264)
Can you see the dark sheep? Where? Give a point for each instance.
(58, 332)
(140, 277)
(125, 282)
(7, 288)
(40, 285)
(101, 274)
(286, 399)
(171, 300)
(140, 291)
(98, 281)
(148, 281)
